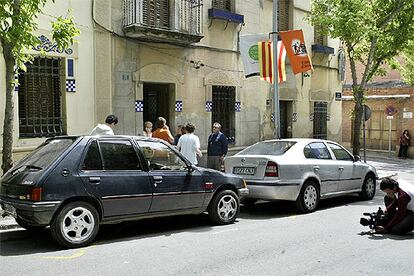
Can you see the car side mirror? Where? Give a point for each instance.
(190, 168)
(357, 158)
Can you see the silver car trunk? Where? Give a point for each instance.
(247, 166)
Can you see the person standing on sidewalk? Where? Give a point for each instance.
(162, 131)
(107, 128)
(217, 148)
(147, 129)
(189, 144)
(404, 144)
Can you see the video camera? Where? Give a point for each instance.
(375, 219)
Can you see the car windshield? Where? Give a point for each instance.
(268, 148)
(46, 153)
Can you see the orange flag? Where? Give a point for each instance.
(265, 52)
(296, 51)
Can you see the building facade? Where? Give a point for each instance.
(180, 59)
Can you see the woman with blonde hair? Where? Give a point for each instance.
(147, 129)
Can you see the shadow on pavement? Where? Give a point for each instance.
(22, 242)
(373, 236)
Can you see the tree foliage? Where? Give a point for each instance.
(18, 26)
(373, 33)
(405, 64)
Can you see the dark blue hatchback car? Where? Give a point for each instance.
(74, 184)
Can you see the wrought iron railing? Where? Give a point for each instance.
(183, 16)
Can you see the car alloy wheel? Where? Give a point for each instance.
(227, 208)
(368, 188)
(224, 207)
(310, 197)
(75, 225)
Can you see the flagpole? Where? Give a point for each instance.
(275, 70)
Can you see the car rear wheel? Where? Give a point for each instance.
(75, 225)
(368, 188)
(308, 198)
(28, 227)
(224, 207)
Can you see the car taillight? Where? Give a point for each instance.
(36, 194)
(271, 169)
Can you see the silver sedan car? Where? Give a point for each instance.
(301, 170)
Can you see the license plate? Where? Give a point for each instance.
(10, 210)
(244, 170)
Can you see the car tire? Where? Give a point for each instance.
(368, 188)
(308, 198)
(28, 227)
(224, 207)
(76, 225)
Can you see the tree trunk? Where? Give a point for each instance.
(358, 92)
(7, 157)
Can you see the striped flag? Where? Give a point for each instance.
(266, 61)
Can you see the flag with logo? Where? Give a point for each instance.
(249, 53)
(265, 53)
(296, 51)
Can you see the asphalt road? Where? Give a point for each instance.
(268, 239)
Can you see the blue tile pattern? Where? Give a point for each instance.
(179, 106)
(294, 117)
(70, 86)
(209, 106)
(237, 106)
(139, 106)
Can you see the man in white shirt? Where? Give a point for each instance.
(189, 144)
(107, 128)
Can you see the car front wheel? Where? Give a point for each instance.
(224, 207)
(75, 225)
(368, 188)
(308, 198)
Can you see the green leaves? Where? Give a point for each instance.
(64, 30)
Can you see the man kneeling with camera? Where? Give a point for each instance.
(399, 203)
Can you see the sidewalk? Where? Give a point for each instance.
(374, 158)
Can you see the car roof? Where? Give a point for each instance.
(300, 140)
(143, 138)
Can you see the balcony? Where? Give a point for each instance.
(168, 21)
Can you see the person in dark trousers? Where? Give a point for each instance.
(404, 144)
(399, 203)
(217, 148)
(178, 133)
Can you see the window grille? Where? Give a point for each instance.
(222, 4)
(320, 119)
(283, 15)
(40, 111)
(224, 98)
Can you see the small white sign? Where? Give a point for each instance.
(407, 115)
(390, 117)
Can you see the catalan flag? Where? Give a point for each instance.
(265, 52)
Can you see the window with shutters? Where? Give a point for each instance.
(222, 4)
(283, 15)
(319, 37)
(156, 13)
(224, 99)
(39, 97)
(320, 120)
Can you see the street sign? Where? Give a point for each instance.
(367, 112)
(390, 110)
(338, 96)
(390, 117)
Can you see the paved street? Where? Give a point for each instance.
(269, 239)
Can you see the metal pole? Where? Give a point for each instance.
(389, 139)
(275, 70)
(363, 124)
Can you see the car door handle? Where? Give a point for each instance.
(341, 168)
(316, 168)
(157, 179)
(95, 180)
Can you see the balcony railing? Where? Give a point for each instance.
(177, 21)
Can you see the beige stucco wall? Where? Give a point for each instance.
(79, 106)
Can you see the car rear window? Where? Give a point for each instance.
(47, 152)
(268, 148)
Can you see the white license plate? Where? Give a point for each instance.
(10, 210)
(244, 170)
